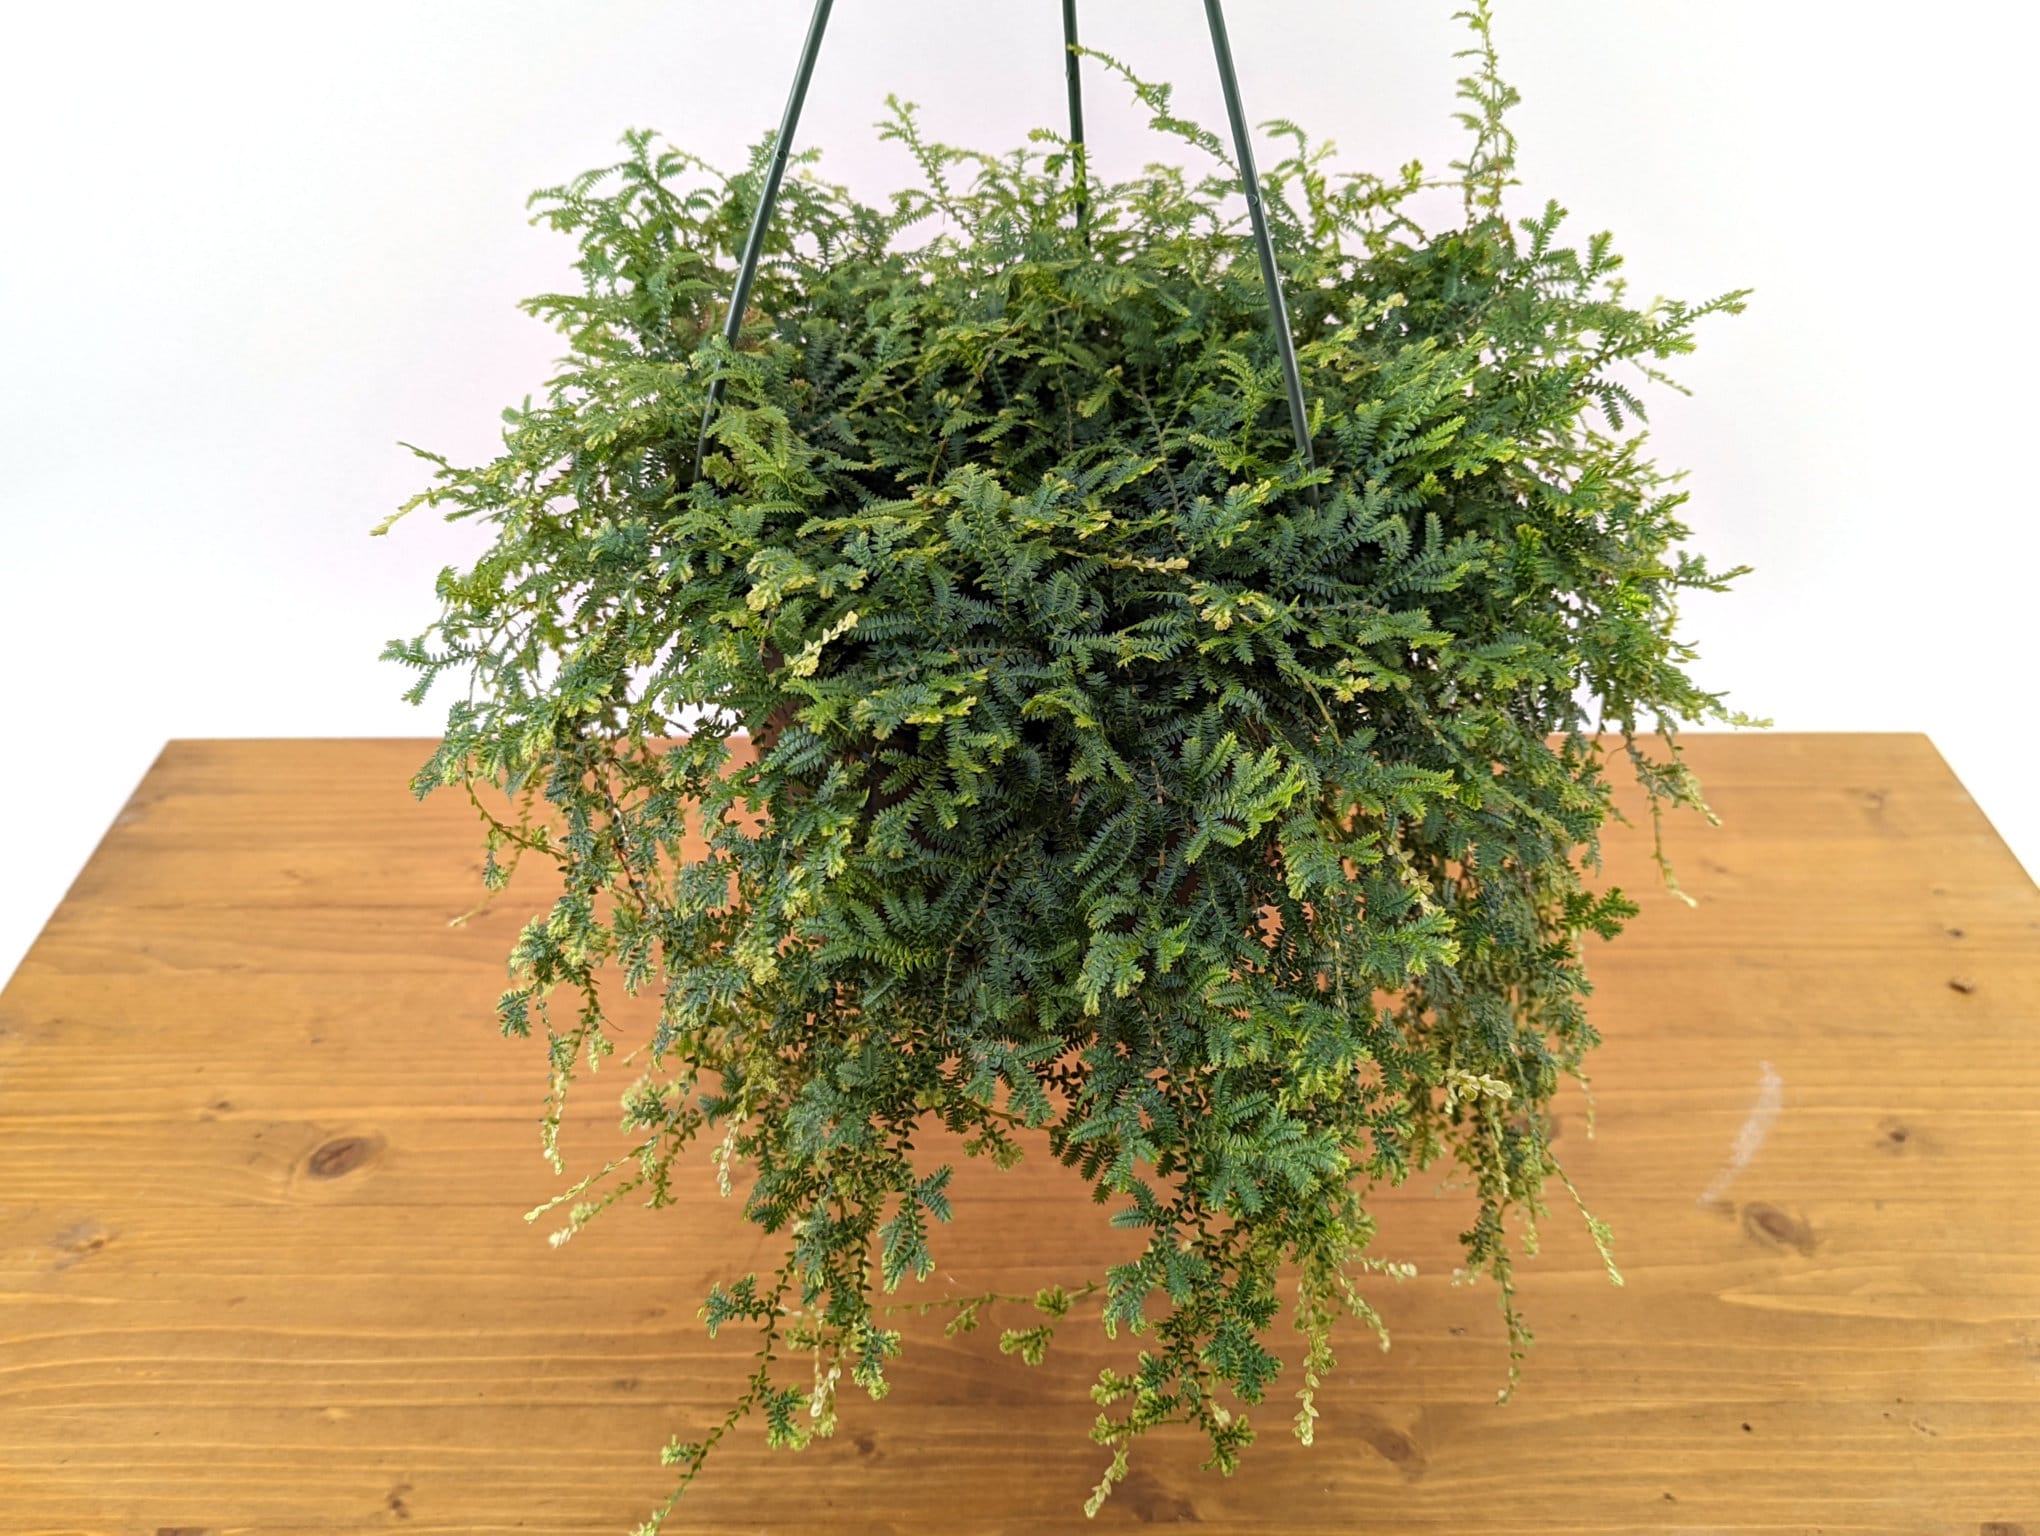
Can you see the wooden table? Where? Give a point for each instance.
(263, 1163)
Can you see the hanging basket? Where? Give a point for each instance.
(1006, 683)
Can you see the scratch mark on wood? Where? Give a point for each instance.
(1749, 1138)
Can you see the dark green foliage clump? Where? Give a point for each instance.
(1106, 782)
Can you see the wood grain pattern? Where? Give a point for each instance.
(263, 1162)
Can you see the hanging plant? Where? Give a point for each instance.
(1004, 727)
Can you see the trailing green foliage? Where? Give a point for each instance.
(1103, 785)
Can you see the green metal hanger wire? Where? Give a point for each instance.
(1243, 150)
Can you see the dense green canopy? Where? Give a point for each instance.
(1107, 781)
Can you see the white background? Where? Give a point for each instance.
(247, 248)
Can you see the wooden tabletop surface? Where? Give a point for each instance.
(264, 1162)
